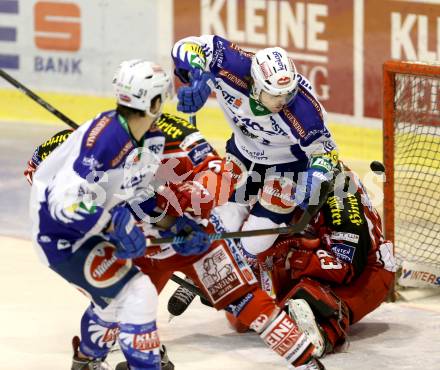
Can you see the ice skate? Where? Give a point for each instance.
(84, 363)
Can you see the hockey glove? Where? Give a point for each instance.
(192, 98)
(187, 195)
(314, 189)
(127, 237)
(196, 242)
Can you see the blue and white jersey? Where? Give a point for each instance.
(98, 167)
(296, 133)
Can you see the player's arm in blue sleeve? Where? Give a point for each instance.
(320, 148)
(193, 58)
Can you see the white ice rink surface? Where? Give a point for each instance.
(39, 314)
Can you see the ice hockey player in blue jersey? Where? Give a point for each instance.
(281, 152)
(83, 229)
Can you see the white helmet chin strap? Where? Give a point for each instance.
(159, 112)
(155, 115)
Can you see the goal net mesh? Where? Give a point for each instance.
(417, 168)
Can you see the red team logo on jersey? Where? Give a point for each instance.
(102, 268)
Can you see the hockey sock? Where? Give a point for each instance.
(140, 345)
(97, 336)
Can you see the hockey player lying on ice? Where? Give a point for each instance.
(221, 272)
(340, 265)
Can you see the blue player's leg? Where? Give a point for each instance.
(122, 297)
(130, 318)
(247, 180)
(138, 335)
(275, 206)
(99, 332)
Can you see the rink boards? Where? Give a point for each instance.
(355, 142)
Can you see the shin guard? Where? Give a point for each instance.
(97, 336)
(330, 310)
(140, 345)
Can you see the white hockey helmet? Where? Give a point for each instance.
(274, 72)
(137, 82)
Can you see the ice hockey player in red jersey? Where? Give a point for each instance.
(341, 265)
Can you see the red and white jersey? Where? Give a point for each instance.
(342, 240)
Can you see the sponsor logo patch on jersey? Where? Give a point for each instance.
(96, 131)
(199, 153)
(336, 208)
(354, 213)
(344, 252)
(237, 103)
(91, 163)
(295, 123)
(233, 78)
(146, 341)
(349, 237)
(236, 308)
(312, 100)
(122, 153)
(245, 53)
(218, 273)
(218, 55)
(102, 268)
(254, 154)
(278, 195)
(156, 148)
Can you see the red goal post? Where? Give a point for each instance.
(411, 148)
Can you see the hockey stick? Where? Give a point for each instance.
(192, 119)
(38, 99)
(292, 229)
(233, 235)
